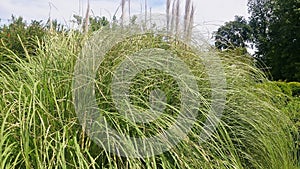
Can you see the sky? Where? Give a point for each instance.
(210, 14)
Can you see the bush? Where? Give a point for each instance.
(284, 87)
(295, 87)
(18, 35)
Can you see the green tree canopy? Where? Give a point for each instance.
(276, 32)
(233, 34)
(95, 22)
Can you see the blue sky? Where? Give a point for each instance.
(156, 2)
(209, 13)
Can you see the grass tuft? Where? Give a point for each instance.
(40, 129)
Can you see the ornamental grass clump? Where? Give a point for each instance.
(40, 128)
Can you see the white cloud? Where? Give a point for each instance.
(209, 13)
(28, 10)
(214, 13)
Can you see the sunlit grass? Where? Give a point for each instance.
(40, 129)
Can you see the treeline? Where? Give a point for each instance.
(22, 38)
(19, 34)
(273, 31)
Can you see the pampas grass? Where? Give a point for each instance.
(40, 129)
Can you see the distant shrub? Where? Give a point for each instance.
(295, 88)
(284, 87)
(19, 35)
(281, 92)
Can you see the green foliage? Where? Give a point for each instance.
(95, 22)
(284, 88)
(292, 109)
(295, 87)
(55, 26)
(288, 105)
(233, 34)
(276, 36)
(261, 12)
(274, 30)
(40, 129)
(18, 35)
(23, 39)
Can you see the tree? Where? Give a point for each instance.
(261, 15)
(95, 22)
(284, 35)
(233, 34)
(54, 25)
(276, 26)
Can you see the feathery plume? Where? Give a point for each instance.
(187, 15)
(123, 11)
(168, 13)
(177, 16)
(87, 17)
(146, 7)
(129, 6)
(191, 23)
(50, 19)
(173, 15)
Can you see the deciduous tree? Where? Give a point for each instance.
(233, 34)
